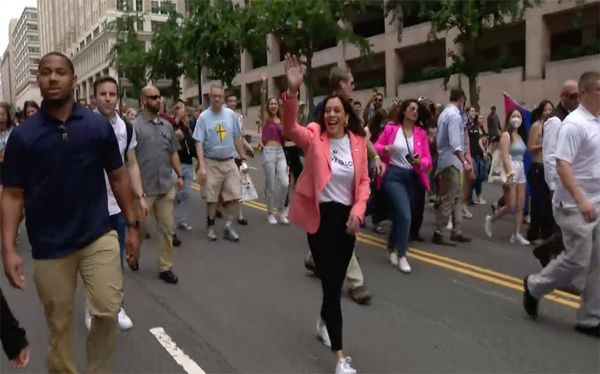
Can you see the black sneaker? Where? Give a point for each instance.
(588, 330)
(439, 239)
(460, 238)
(176, 241)
(530, 303)
(168, 276)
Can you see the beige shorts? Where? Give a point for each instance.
(222, 179)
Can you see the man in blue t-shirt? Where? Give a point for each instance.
(54, 167)
(218, 137)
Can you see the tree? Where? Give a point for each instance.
(128, 53)
(470, 18)
(164, 59)
(211, 39)
(303, 26)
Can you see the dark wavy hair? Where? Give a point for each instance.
(508, 127)
(405, 104)
(9, 119)
(354, 123)
(536, 115)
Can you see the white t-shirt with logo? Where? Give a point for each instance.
(579, 144)
(120, 129)
(402, 149)
(340, 188)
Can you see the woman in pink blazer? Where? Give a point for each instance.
(404, 148)
(330, 197)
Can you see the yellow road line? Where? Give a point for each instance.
(494, 277)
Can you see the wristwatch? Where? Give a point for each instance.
(133, 225)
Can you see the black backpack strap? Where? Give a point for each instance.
(129, 128)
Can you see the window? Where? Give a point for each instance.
(155, 6)
(161, 7)
(139, 5)
(125, 5)
(140, 25)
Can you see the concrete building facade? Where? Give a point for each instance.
(81, 30)
(26, 51)
(7, 68)
(528, 59)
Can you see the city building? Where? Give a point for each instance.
(26, 57)
(7, 69)
(81, 30)
(529, 59)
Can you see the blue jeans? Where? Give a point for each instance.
(399, 184)
(481, 174)
(119, 225)
(182, 199)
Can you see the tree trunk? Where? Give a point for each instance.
(200, 96)
(473, 92)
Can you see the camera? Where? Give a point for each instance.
(411, 158)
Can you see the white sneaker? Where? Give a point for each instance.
(125, 322)
(87, 320)
(487, 226)
(323, 334)
(404, 265)
(466, 213)
(343, 366)
(480, 201)
(212, 236)
(519, 239)
(282, 219)
(394, 258)
(449, 226)
(272, 220)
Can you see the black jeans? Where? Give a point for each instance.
(332, 249)
(542, 220)
(377, 206)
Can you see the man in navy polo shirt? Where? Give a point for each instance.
(54, 168)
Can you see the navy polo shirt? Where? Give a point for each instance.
(62, 177)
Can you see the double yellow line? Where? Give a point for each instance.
(474, 271)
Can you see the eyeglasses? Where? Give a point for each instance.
(153, 97)
(573, 96)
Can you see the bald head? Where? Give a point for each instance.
(150, 96)
(569, 95)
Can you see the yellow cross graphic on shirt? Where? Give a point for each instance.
(221, 131)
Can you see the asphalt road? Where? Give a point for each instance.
(250, 307)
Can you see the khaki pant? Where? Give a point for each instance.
(162, 207)
(98, 264)
(354, 274)
(580, 259)
(450, 201)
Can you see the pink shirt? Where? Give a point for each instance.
(272, 131)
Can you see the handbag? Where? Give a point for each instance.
(497, 173)
(248, 190)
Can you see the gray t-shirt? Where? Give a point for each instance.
(156, 143)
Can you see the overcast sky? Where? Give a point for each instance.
(11, 9)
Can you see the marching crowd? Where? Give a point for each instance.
(85, 190)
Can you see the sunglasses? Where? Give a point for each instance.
(153, 97)
(573, 96)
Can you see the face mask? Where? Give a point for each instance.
(515, 122)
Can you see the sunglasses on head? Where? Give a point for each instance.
(153, 97)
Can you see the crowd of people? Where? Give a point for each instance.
(62, 164)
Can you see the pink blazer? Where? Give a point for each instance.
(420, 143)
(304, 210)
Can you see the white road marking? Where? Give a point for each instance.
(178, 355)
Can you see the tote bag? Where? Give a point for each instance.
(497, 174)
